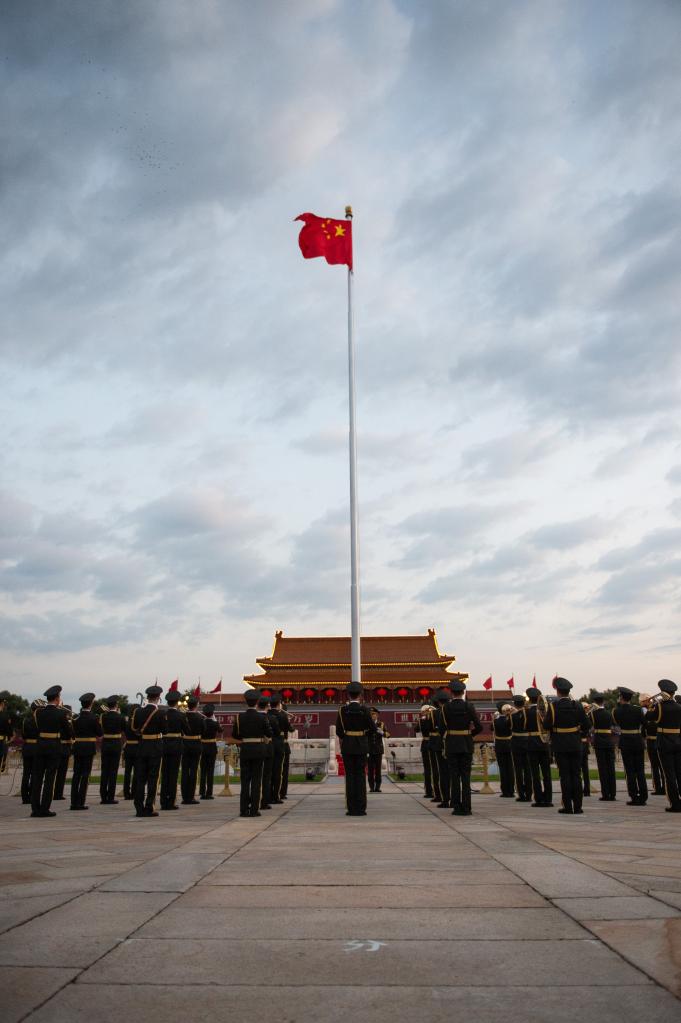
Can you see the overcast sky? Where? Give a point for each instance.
(174, 390)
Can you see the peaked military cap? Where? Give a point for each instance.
(519, 700)
(353, 689)
(500, 705)
(86, 698)
(562, 685)
(53, 691)
(111, 701)
(153, 691)
(598, 696)
(441, 696)
(456, 686)
(665, 685)
(623, 691)
(192, 701)
(251, 697)
(532, 691)
(208, 708)
(263, 701)
(173, 697)
(275, 699)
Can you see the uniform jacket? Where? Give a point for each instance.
(6, 726)
(534, 734)
(211, 729)
(54, 725)
(86, 731)
(194, 731)
(176, 726)
(354, 717)
(376, 738)
(113, 723)
(277, 734)
(458, 722)
(601, 723)
(149, 721)
(29, 733)
(567, 722)
(132, 739)
(630, 719)
(252, 730)
(668, 716)
(519, 728)
(501, 726)
(286, 725)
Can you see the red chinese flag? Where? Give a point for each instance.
(173, 687)
(197, 691)
(534, 681)
(487, 684)
(218, 688)
(511, 683)
(324, 237)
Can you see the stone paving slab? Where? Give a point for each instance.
(15, 911)
(381, 924)
(616, 907)
(79, 932)
(80, 1003)
(26, 989)
(557, 876)
(654, 945)
(172, 872)
(300, 896)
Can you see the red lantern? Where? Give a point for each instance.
(424, 691)
(381, 692)
(403, 692)
(330, 694)
(309, 694)
(287, 694)
(265, 692)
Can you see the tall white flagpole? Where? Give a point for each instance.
(356, 675)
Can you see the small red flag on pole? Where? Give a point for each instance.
(511, 683)
(197, 691)
(322, 236)
(218, 688)
(173, 687)
(534, 681)
(487, 684)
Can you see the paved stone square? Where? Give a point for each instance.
(306, 915)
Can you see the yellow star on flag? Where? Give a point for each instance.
(340, 231)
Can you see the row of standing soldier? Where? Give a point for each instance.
(153, 741)
(261, 732)
(528, 734)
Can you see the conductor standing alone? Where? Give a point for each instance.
(354, 724)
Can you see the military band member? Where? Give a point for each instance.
(630, 719)
(566, 721)
(651, 746)
(112, 722)
(6, 733)
(376, 751)
(538, 752)
(149, 724)
(501, 726)
(29, 734)
(604, 747)
(252, 734)
(86, 730)
(278, 743)
(176, 726)
(64, 761)
(53, 725)
(209, 751)
(287, 729)
(458, 724)
(519, 750)
(266, 791)
(191, 752)
(584, 766)
(424, 726)
(132, 743)
(668, 721)
(353, 726)
(441, 778)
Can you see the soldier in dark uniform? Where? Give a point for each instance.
(584, 766)
(668, 721)
(424, 725)
(266, 788)
(353, 726)
(86, 731)
(176, 726)
(191, 753)
(501, 726)
(538, 752)
(441, 779)
(604, 748)
(209, 751)
(6, 733)
(53, 725)
(29, 734)
(376, 751)
(149, 724)
(112, 722)
(519, 750)
(458, 724)
(64, 760)
(566, 721)
(132, 743)
(252, 734)
(278, 743)
(653, 755)
(630, 720)
(287, 729)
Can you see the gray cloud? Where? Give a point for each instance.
(567, 535)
